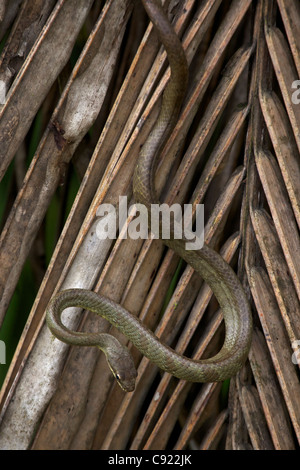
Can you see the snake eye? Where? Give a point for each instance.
(118, 377)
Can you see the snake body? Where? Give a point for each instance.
(209, 264)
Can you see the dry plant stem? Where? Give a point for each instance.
(281, 212)
(196, 412)
(74, 115)
(286, 74)
(126, 416)
(271, 397)
(254, 418)
(55, 139)
(8, 15)
(285, 148)
(214, 434)
(112, 130)
(221, 95)
(115, 437)
(85, 400)
(161, 431)
(216, 51)
(119, 430)
(89, 182)
(31, 19)
(205, 261)
(106, 143)
(278, 271)
(278, 344)
(290, 13)
(60, 33)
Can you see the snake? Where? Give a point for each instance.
(205, 261)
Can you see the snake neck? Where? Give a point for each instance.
(144, 175)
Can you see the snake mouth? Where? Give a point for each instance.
(127, 384)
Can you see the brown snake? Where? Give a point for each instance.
(209, 264)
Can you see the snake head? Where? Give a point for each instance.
(122, 366)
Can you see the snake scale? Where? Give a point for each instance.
(209, 264)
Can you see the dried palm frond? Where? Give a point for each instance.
(83, 83)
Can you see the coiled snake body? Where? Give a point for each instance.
(210, 265)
